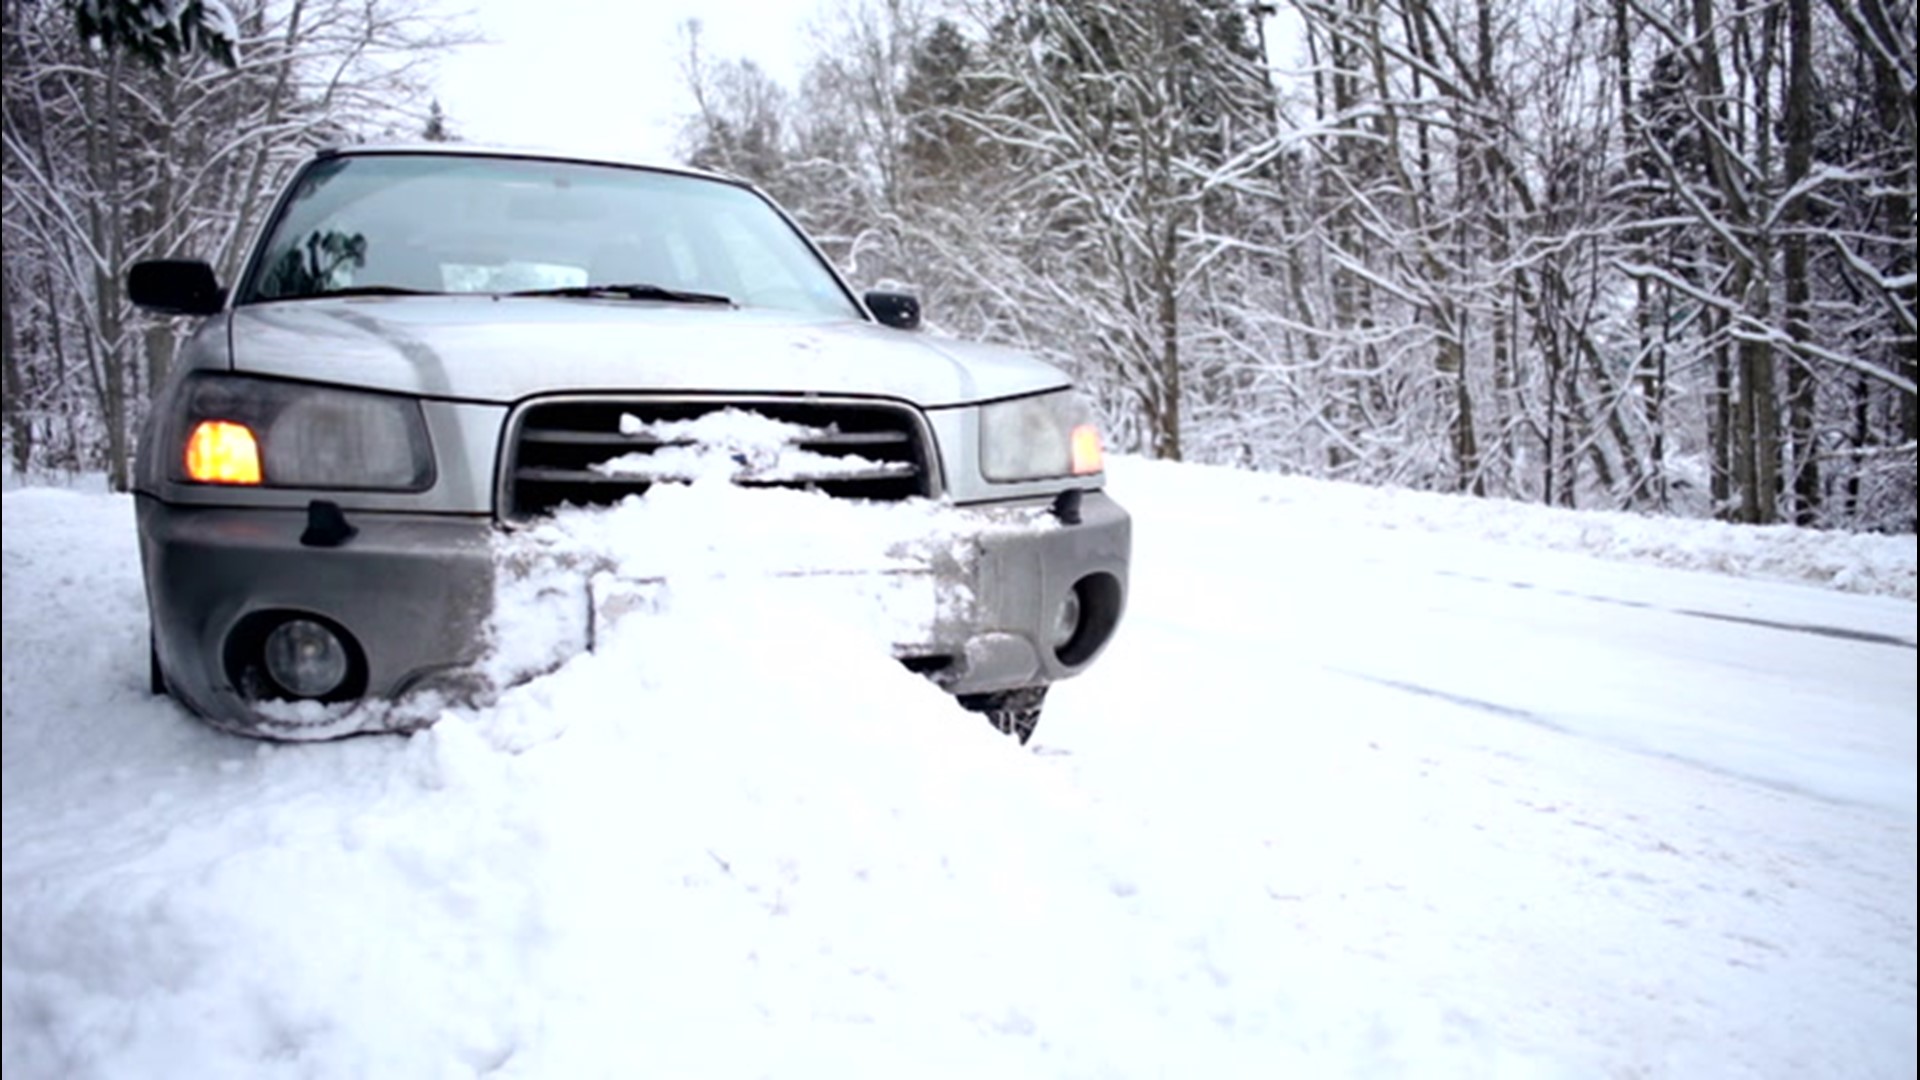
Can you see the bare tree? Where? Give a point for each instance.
(116, 155)
(1626, 253)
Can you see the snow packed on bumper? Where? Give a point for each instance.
(739, 446)
(890, 572)
(699, 545)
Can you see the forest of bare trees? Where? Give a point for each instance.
(1635, 254)
(127, 136)
(1654, 255)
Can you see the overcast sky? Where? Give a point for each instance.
(603, 76)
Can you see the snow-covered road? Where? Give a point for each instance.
(1370, 784)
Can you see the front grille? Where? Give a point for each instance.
(561, 450)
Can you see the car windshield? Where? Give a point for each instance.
(400, 224)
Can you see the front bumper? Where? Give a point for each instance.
(414, 590)
(1018, 581)
(418, 592)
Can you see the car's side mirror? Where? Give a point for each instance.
(896, 309)
(175, 287)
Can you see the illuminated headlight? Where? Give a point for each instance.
(279, 434)
(1039, 437)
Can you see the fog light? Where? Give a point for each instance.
(305, 658)
(1066, 621)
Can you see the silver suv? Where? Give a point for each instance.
(433, 349)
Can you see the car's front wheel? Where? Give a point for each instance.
(1016, 712)
(156, 679)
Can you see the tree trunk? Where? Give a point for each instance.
(1804, 460)
(1167, 423)
(1760, 361)
(19, 424)
(108, 223)
(1721, 419)
(160, 349)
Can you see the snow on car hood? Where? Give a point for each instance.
(487, 349)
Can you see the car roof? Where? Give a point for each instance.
(463, 149)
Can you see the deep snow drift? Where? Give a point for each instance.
(1371, 783)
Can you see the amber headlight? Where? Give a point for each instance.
(1039, 438)
(268, 433)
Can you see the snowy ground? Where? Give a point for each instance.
(1370, 784)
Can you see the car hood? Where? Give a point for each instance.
(483, 348)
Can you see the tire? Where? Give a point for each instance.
(156, 679)
(1015, 712)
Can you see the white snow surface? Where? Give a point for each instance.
(1369, 784)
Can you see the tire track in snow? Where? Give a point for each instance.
(1509, 712)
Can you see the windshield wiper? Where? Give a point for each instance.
(631, 291)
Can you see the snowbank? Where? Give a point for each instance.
(1339, 802)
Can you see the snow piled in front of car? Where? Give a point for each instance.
(729, 844)
(880, 575)
(887, 572)
(734, 840)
